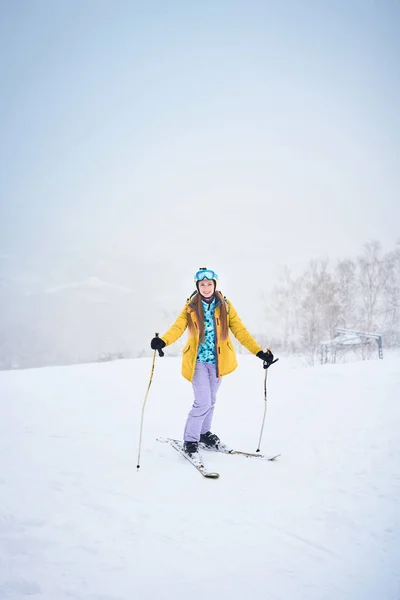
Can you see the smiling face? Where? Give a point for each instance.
(206, 287)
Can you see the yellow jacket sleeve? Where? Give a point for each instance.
(177, 329)
(240, 332)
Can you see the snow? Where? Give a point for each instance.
(77, 521)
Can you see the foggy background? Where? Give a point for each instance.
(140, 141)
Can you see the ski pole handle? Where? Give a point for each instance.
(266, 365)
(160, 352)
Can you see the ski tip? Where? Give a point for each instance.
(272, 458)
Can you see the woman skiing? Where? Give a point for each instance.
(208, 354)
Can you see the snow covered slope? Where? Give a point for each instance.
(77, 521)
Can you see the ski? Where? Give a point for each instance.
(226, 450)
(198, 465)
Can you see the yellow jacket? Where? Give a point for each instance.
(226, 357)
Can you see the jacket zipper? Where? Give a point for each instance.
(217, 348)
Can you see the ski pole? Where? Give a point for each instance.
(161, 353)
(265, 365)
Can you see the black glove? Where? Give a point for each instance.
(157, 343)
(267, 357)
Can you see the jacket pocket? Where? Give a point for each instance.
(230, 346)
(186, 348)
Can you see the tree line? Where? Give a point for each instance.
(362, 293)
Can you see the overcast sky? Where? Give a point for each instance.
(238, 135)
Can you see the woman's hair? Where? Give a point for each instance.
(197, 305)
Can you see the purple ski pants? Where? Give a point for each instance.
(205, 386)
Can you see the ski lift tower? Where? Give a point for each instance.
(347, 338)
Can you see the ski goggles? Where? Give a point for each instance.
(205, 274)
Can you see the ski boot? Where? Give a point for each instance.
(210, 439)
(191, 449)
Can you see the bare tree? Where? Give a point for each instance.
(319, 307)
(391, 300)
(372, 277)
(346, 290)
